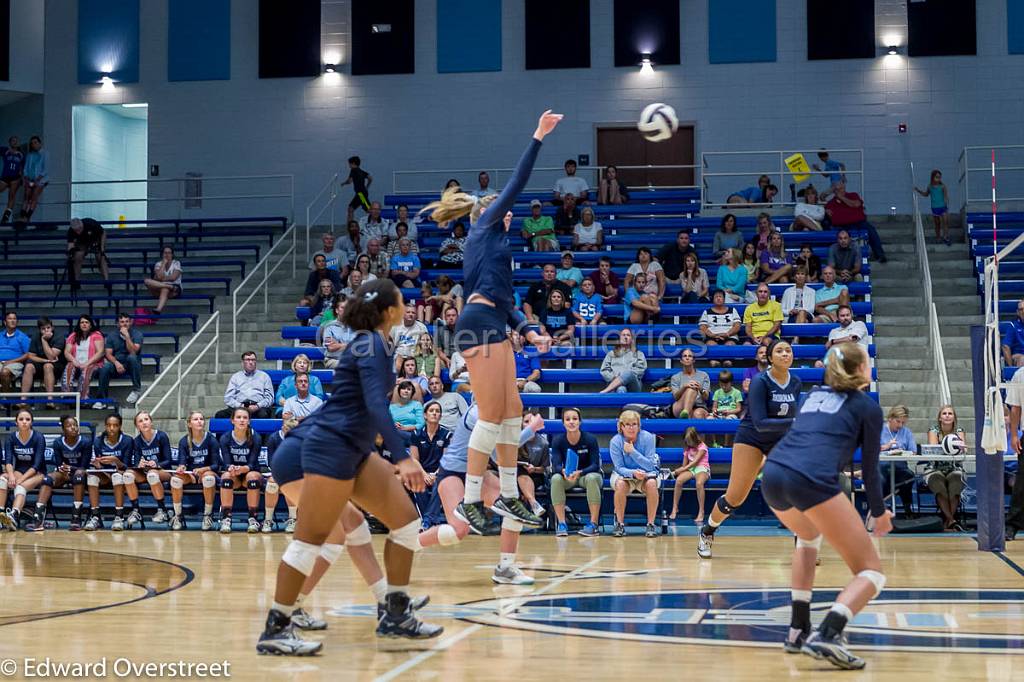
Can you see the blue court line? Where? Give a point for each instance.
(1010, 562)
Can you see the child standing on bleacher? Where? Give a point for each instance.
(939, 196)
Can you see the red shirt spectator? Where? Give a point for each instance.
(606, 282)
(842, 213)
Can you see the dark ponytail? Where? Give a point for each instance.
(365, 309)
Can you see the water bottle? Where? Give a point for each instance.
(664, 522)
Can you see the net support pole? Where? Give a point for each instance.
(989, 468)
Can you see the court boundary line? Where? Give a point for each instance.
(1010, 562)
(448, 642)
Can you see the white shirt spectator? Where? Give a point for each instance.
(173, 272)
(413, 225)
(256, 387)
(798, 298)
(1015, 390)
(815, 212)
(374, 230)
(300, 408)
(571, 184)
(719, 323)
(405, 338)
(855, 328)
(587, 235)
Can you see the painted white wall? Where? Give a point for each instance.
(307, 127)
(27, 46)
(108, 146)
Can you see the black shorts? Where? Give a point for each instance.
(359, 200)
(783, 488)
(323, 455)
(443, 473)
(479, 325)
(10, 181)
(748, 435)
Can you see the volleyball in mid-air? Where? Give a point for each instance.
(952, 444)
(658, 122)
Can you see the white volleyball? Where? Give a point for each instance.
(658, 122)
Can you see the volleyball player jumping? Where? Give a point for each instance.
(801, 485)
(771, 406)
(482, 339)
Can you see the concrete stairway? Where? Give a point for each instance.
(904, 360)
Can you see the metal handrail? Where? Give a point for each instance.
(965, 169)
(182, 373)
(334, 187)
(236, 309)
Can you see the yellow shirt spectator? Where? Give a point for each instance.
(762, 318)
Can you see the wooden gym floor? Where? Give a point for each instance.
(649, 609)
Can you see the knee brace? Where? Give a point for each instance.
(448, 536)
(152, 478)
(724, 506)
(3, 483)
(511, 525)
(78, 478)
(485, 436)
(331, 552)
(877, 579)
(814, 544)
(209, 480)
(510, 431)
(115, 479)
(252, 484)
(273, 489)
(47, 481)
(128, 478)
(407, 536)
(177, 483)
(359, 535)
(301, 556)
(19, 491)
(227, 483)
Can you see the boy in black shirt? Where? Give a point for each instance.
(360, 181)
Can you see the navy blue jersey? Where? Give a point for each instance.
(830, 426)
(25, 456)
(358, 407)
(124, 449)
(487, 259)
(244, 454)
(588, 454)
(205, 453)
(76, 456)
(430, 448)
(13, 162)
(272, 443)
(771, 407)
(157, 450)
(556, 320)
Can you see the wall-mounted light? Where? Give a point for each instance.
(330, 68)
(106, 81)
(646, 65)
(892, 50)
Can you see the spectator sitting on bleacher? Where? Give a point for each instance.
(372, 225)
(606, 282)
(452, 183)
(14, 347)
(672, 256)
(727, 238)
(394, 244)
(635, 468)
(364, 267)
(731, 278)
(527, 365)
(409, 371)
(534, 458)
(809, 262)
(84, 352)
(557, 321)
(355, 280)
(845, 257)
(587, 235)
(750, 261)
(444, 334)
(569, 274)
(322, 301)
(405, 266)
(798, 300)
(449, 295)
(123, 356)
(848, 331)
(380, 264)
(760, 365)
(539, 230)
(726, 401)
(453, 405)
(567, 216)
(763, 318)
(428, 363)
(427, 305)
(720, 324)
(587, 305)
(612, 190)
(351, 244)
(86, 236)
(406, 412)
(483, 179)
(654, 282)
(301, 364)
(640, 307)
(697, 466)
(896, 438)
(570, 183)
(537, 295)
(1013, 341)
(303, 403)
(776, 265)
(623, 366)
(250, 388)
(694, 281)
(165, 282)
(453, 247)
(691, 389)
(765, 229)
(585, 473)
(335, 257)
(808, 214)
(319, 274)
(411, 225)
(946, 480)
(334, 336)
(45, 358)
(846, 209)
(406, 335)
(427, 446)
(829, 296)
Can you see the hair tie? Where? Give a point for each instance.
(369, 296)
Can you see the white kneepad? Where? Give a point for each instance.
(447, 536)
(209, 480)
(177, 483)
(128, 478)
(272, 487)
(19, 491)
(152, 477)
(814, 544)
(3, 483)
(407, 536)
(511, 525)
(115, 478)
(877, 579)
(331, 552)
(360, 535)
(484, 437)
(511, 429)
(301, 556)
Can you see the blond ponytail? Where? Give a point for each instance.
(842, 367)
(455, 204)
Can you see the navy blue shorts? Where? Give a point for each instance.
(748, 435)
(443, 473)
(286, 465)
(325, 455)
(479, 325)
(783, 489)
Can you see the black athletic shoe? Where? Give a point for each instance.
(417, 603)
(513, 508)
(399, 620)
(473, 513)
(76, 520)
(833, 650)
(36, 524)
(795, 645)
(279, 638)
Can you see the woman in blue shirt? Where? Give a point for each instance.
(732, 276)
(727, 238)
(635, 467)
(406, 412)
(895, 438)
(24, 466)
(286, 389)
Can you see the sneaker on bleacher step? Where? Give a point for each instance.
(267, 527)
(254, 525)
(289, 525)
(207, 522)
(562, 531)
(160, 516)
(176, 523)
(303, 621)
(133, 397)
(225, 526)
(118, 525)
(98, 405)
(589, 531)
(93, 523)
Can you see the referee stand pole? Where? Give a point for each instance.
(988, 468)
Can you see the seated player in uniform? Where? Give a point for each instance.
(151, 463)
(71, 455)
(273, 442)
(198, 463)
(24, 467)
(239, 452)
(111, 453)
